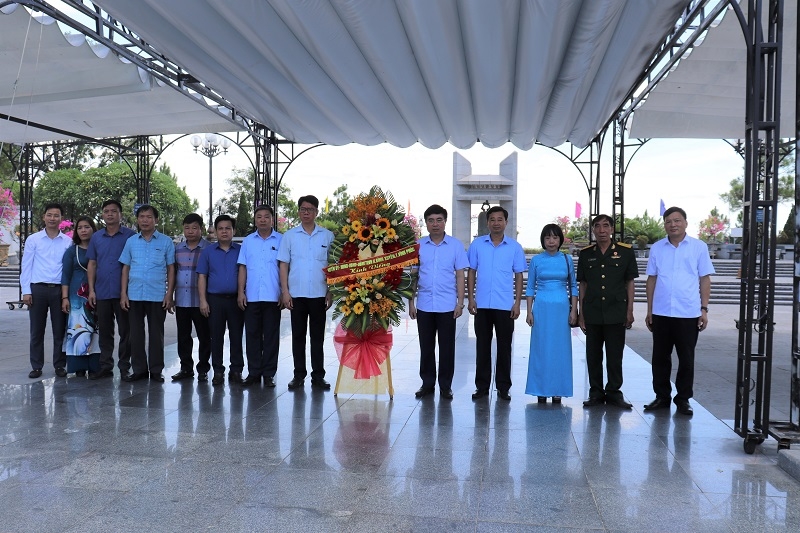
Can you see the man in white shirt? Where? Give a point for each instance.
(40, 281)
(678, 289)
(302, 256)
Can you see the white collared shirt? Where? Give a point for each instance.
(41, 259)
(679, 269)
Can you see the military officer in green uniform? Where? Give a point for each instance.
(606, 271)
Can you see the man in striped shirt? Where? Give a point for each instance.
(187, 302)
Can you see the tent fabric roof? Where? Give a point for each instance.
(704, 97)
(65, 82)
(407, 71)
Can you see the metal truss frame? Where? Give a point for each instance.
(763, 36)
(793, 426)
(587, 162)
(622, 159)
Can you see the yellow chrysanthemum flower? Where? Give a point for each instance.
(356, 225)
(391, 233)
(358, 308)
(345, 309)
(346, 230)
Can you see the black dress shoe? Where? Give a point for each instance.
(658, 403)
(479, 393)
(503, 395)
(136, 377)
(157, 377)
(556, 399)
(320, 383)
(592, 402)
(422, 392)
(202, 377)
(251, 379)
(35, 373)
(541, 399)
(619, 402)
(683, 407)
(218, 379)
(107, 373)
(61, 372)
(183, 374)
(269, 382)
(295, 384)
(446, 394)
(235, 377)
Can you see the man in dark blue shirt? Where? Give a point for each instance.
(218, 287)
(104, 273)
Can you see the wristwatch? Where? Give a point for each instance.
(704, 308)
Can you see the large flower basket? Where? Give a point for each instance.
(370, 282)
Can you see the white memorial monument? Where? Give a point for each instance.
(496, 189)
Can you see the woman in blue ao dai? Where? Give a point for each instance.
(81, 340)
(552, 296)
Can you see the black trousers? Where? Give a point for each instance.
(613, 337)
(224, 311)
(428, 325)
(680, 333)
(308, 314)
(185, 317)
(46, 299)
(262, 322)
(155, 314)
(107, 312)
(485, 321)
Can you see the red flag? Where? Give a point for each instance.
(577, 210)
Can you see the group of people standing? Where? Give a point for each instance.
(116, 276)
(598, 298)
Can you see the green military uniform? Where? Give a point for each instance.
(604, 308)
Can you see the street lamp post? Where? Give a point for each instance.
(210, 146)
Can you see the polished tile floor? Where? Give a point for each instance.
(77, 455)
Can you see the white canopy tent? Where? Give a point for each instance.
(458, 71)
(70, 84)
(704, 97)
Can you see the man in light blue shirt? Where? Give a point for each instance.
(496, 263)
(678, 289)
(440, 301)
(148, 281)
(259, 297)
(40, 281)
(304, 291)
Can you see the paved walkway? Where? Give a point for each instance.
(77, 455)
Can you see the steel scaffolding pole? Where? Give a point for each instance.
(762, 143)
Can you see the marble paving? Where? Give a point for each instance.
(79, 455)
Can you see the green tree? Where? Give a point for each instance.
(787, 235)
(650, 227)
(243, 218)
(579, 230)
(242, 182)
(735, 196)
(83, 193)
(335, 211)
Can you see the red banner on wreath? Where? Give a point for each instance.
(373, 265)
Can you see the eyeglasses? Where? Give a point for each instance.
(307, 210)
